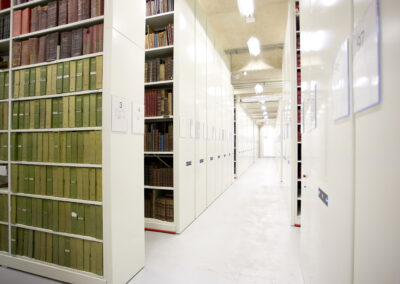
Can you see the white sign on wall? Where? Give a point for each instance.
(366, 59)
(119, 114)
(340, 83)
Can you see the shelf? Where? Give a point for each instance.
(3, 162)
(4, 101)
(57, 164)
(159, 51)
(47, 197)
(5, 11)
(158, 225)
(3, 223)
(158, 187)
(159, 153)
(58, 95)
(58, 129)
(57, 233)
(84, 23)
(29, 4)
(57, 61)
(4, 191)
(159, 118)
(4, 70)
(160, 21)
(159, 83)
(4, 131)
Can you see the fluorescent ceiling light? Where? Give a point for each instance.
(246, 7)
(265, 113)
(258, 88)
(244, 73)
(263, 107)
(254, 46)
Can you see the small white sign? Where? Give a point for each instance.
(137, 118)
(340, 83)
(366, 59)
(119, 114)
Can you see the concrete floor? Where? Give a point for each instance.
(244, 237)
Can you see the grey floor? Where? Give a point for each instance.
(244, 237)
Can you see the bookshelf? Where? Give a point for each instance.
(201, 159)
(69, 173)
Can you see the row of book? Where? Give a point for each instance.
(55, 13)
(159, 69)
(298, 115)
(160, 207)
(3, 116)
(58, 216)
(3, 146)
(57, 45)
(65, 112)
(5, 26)
(299, 96)
(82, 147)
(4, 207)
(61, 250)
(3, 238)
(298, 78)
(158, 102)
(66, 182)
(154, 7)
(156, 174)
(65, 77)
(4, 84)
(161, 38)
(158, 136)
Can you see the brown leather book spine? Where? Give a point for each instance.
(25, 52)
(26, 21)
(35, 19)
(52, 13)
(42, 49)
(43, 18)
(62, 12)
(87, 36)
(77, 42)
(72, 11)
(17, 22)
(16, 58)
(34, 46)
(66, 44)
(51, 46)
(83, 9)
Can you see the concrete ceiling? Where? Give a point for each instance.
(233, 32)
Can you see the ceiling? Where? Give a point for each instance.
(233, 31)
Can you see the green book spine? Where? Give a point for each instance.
(68, 217)
(42, 114)
(55, 249)
(37, 245)
(31, 179)
(49, 81)
(13, 146)
(56, 136)
(16, 84)
(99, 222)
(21, 175)
(23, 210)
(26, 115)
(43, 80)
(65, 113)
(34, 146)
(80, 147)
(61, 214)
(39, 213)
(6, 85)
(26, 243)
(49, 181)
(55, 215)
(86, 255)
(79, 77)
(60, 172)
(43, 180)
(59, 80)
(34, 212)
(27, 81)
(32, 83)
(26, 180)
(85, 110)
(67, 182)
(61, 250)
(21, 83)
(88, 148)
(29, 150)
(92, 184)
(30, 243)
(99, 258)
(68, 147)
(49, 248)
(25, 146)
(55, 117)
(28, 202)
(19, 149)
(51, 214)
(86, 74)
(90, 220)
(40, 147)
(80, 250)
(73, 182)
(74, 218)
(92, 110)
(5, 116)
(66, 83)
(31, 114)
(74, 147)
(13, 240)
(67, 254)
(55, 182)
(71, 111)
(37, 179)
(37, 81)
(79, 183)
(78, 111)
(49, 114)
(13, 209)
(81, 219)
(85, 183)
(93, 257)
(74, 253)
(99, 110)
(2, 77)
(51, 147)
(97, 140)
(72, 76)
(45, 144)
(42, 246)
(21, 113)
(60, 112)
(92, 76)
(99, 71)
(15, 115)
(63, 147)
(36, 115)
(53, 78)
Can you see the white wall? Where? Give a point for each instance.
(270, 141)
(354, 160)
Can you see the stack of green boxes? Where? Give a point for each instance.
(56, 211)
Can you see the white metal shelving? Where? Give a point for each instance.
(94, 128)
(56, 95)
(48, 197)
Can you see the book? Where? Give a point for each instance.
(32, 82)
(83, 9)
(59, 79)
(34, 19)
(85, 111)
(52, 14)
(17, 23)
(43, 17)
(72, 11)
(66, 77)
(25, 21)
(51, 46)
(62, 12)
(16, 57)
(99, 109)
(72, 76)
(92, 110)
(96, 8)
(66, 44)
(99, 72)
(86, 74)
(42, 49)
(77, 42)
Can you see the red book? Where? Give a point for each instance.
(17, 23)
(99, 37)
(87, 38)
(93, 39)
(4, 4)
(26, 20)
(72, 11)
(35, 19)
(25, 52)
(42, 49)
(43, 18)
(62, 12)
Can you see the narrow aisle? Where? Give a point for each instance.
(244, 237)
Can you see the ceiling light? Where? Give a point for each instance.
(258, 88)
(254, 46)
(263, 107)
(265, 113)
(244, 73)
(246, 7)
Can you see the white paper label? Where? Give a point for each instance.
(137, 118)
(119, 114)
